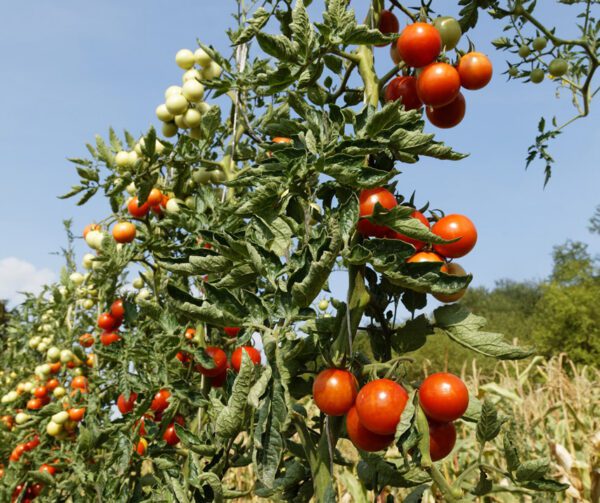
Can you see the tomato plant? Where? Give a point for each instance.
(271, 172)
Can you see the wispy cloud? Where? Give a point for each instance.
(18, 275)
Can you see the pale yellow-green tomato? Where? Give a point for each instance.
(122, 159)
(163, 114)
(59, 392)
(144, 294)
(42, 346)
(44, 369)
(60, 417)
(217, 176)
(172, 91)
(66, 355)
(201, 176)
(34, 341)
(192, 118)
(94, 239)
(203, 107)
(212, 71)
(169, 129)
(76, 278)
(133, 158)
(27, 386)
(22, 418)
(131, 190)
(191, 74)
(180, 122)
(185, 59)
(53, 429)
(138, 283)
(323, 304)
(172, 207)
(202, 58)
(53, 354)
(87, 260)
(11, 396)
(193, 91)
(88, 304)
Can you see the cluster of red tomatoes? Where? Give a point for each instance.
(109, 323)
(435, 84)
(373, 413)
(156, 202)
(218, 372)
(449, 228)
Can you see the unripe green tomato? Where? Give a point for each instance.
(524, 51)
(185, 59)
(22, 418)
(47, 340)
(323, 304)
(202, 58)
(131, 189)
(138, 283)
(169, 129)
(122, 159)
(177, 105)
(76, 278)
(212, 71)
(190, 202)
(88, 304)
(196, 133)
(190, 75)
(53, 429)
(537, 75)
(172, 207)
(558, 67)
(13, 374)
(53, 354)
(539, 43)
(45, 317)
(44, 369)
(513, 71)
(217, 176)
(519, 10)
(144, 294)
(42, 346)
(60, 417)
(46, 327)
(87, 260)
(192, 118)
(66, 355)
(27, 386)
(34, 341)
(59, 392)
(180, 122)
(163, 114)
(193, 91)
(450, 31)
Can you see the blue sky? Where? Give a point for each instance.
(71, 69)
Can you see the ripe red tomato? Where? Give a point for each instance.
(76, 414)
(438, 84)
(281, 139)
(442, 438)
(108, 322)
(231, 331)
(52, 384)
(419, 245)
(419, 44)
(452, 227)
(170, 436)
(125, 405)
(136, 210)
(155, 197)
(394, 54)
(362, 438)
(334, 391)
(86, 340)
(380, 404)
(55, 367)
(189, 333)
(427, 257)
(142, 446)
(404, 89)
(32, 444)
(367, 200)
(117, 309)
(388, 23)
(184, 357)
(475, 70)
(454, 269)
(449, 115)
(34, 404)
(40, 392)
(48, 469)
(108, 338)
(17, 452)
(90, 227)
(161, 400)
(124, 232)
(443, 397)
(79, 382)
(236, 357)
(218, 357)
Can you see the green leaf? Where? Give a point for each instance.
(302, 29)
(484, 485)
(546, 485)
(511, 453)
(488, 426)
(532, 470)
(231, 419)
(254, 25)
(412, 335)
(259, 388)
(192, 442)
(464, 328)
(278, 46)
(363, 35)
(406, 419)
